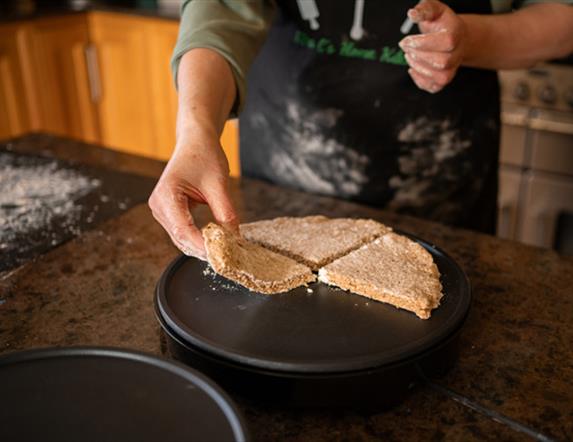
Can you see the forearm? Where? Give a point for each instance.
(206, 94)
(520, 39)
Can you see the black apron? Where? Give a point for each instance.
(331, 109)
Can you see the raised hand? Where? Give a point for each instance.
(434, 55)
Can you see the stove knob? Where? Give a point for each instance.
(547, 94)
(521, 91)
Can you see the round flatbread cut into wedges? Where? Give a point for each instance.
(313, 240)
(251, 265)
(392, 269)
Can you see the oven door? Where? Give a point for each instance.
(552, 142)
(514, 129)
(512, 159)
(547, 212)
(510, 184)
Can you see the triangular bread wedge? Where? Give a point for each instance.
(313, 240)
(392, 269)
(251, 265)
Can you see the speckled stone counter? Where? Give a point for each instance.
(513, 380)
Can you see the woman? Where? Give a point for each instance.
(344, 99)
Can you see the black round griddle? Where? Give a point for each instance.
(371, 390)
(98, 394)
(324, 330)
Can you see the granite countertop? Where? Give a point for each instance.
(512, 380)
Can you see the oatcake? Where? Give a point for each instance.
(251, 265)
(391, 269)
(313, 240)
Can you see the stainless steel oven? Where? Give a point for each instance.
(536, 159)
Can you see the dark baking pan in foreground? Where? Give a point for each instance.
(106, 394)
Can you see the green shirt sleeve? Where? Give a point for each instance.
(236, 29)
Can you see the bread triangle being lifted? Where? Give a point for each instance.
(251, 265)
(391, 269)
(313, 240)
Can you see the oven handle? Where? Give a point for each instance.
(514, 118)
(561, 127)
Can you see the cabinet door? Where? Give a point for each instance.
(125, 106)
(14, 110)
(162, 38)
(60, 77)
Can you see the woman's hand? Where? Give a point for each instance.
(197, 173)
(435, 55)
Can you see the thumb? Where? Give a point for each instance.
(222, 207)
(427, 10)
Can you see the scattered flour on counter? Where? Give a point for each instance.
(32, 196)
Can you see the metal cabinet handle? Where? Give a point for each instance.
(92, 64)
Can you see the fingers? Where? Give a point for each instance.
(419, 67)
(427, 10)
(423, 82)
(170, 207)
(435, 55)
(432, 67)
(441, 41)
(433, 60)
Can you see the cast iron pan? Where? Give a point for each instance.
(327, 330)
(98, 394)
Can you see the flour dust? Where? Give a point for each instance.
(31, 197)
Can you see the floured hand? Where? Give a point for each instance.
(196, 174)
(434, 55)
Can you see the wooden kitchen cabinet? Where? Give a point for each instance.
(125, 102)
(59, 77)
(138, 103)
(15, 117)
(162, 39)
(100, 77)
